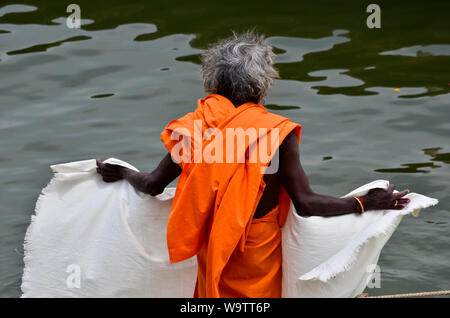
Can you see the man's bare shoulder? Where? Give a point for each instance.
(290, 143)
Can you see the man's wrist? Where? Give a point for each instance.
(366, 202)
(359, 202)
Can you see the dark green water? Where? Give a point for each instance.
(374, 103)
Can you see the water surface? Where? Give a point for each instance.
(374, 104)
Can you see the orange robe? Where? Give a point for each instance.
(214, 203)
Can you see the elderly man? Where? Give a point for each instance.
(229, 212)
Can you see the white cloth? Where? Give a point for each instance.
(112, 235)
(94, 239)
(336, 256)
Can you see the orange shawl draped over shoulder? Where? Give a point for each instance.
(215, 201)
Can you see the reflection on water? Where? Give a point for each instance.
(374, 104)
(421, 51)
(436, 156)
(437, 223)
(16, 8)
(44, 47)
(411, 168)
(102, 95)
(194, 58)
(417, 167)
(280, 107)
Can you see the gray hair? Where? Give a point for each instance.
(239, 68)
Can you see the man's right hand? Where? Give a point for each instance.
(381, 199)
(110, 172)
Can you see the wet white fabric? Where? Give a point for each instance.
(337, 256)
(94, 239)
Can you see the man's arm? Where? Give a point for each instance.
(308, 203)
(152, 183)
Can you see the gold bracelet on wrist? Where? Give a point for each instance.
(361, 205)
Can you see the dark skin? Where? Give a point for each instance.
(290, 174)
